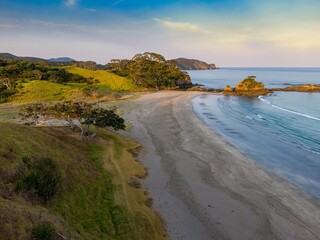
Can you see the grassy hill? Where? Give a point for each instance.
(106, 86)
(94, 200)
(97, 193)
(106, 80)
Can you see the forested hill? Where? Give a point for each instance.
(9, 56)
(55, 62)
(193, 64)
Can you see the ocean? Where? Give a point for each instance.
(281, 131)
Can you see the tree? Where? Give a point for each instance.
(150, 70)
(79, 115)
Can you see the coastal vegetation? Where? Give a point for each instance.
(79, 115)
(150, 70)
(53, 184)
(75, 178)
(15, 74)
(23, 82)
(32, 80)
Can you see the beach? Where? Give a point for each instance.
(203, 187)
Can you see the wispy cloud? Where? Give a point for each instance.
(91, 10)
(116, 3)
(7, 25)
(180, 26)
(76, 27)
(70, 3)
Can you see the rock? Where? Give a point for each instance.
(247, 87)
(228, 89)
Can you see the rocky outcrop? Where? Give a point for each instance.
(247, 87)
(299, 88)
(228, 89)
(193, 64)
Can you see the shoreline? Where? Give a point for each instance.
(203, 187)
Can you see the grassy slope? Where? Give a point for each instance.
(109, 87)
(107, 80)
(39, 91)
(95, 200)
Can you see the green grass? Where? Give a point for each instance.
(40, 91)
(94, 200)
(107, 81)
(108, 86)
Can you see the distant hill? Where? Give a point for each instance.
(193, 64)
(9, 56)
(61, 59)
(56, 62)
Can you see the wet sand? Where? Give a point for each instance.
(203, 187)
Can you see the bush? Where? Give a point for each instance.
(44, 231)
(41, 176)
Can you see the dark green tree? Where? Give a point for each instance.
(150, 70)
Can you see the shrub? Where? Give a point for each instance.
(41, 177)
(44, 231)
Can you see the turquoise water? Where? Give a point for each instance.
(280, 131)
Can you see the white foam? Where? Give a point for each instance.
(264, 100)
(296, 113)
(287, 110)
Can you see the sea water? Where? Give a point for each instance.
(280, 131)
(271, 77)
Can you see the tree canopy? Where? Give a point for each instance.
(150, 70)
(80, 115)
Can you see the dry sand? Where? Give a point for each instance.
(203, 187)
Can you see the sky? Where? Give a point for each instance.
(229, 33)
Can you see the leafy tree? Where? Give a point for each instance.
(80, 115)
(150, 70)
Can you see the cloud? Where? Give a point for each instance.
(68, 27)
(7, 25)
(91, 10)
(117, 2)
(70, 3)
(181, 26)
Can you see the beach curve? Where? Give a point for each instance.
(203, 187)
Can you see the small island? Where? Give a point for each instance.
(247, 87)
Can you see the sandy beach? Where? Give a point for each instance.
(203, 187)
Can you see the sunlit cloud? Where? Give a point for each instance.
(70, 3)
(180, 26)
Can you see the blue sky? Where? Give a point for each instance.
(228, 33)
